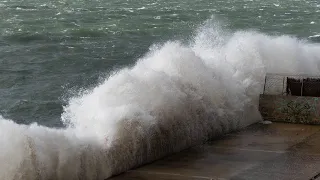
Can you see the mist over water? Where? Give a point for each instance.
(176, 96)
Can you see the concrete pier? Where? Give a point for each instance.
(258, 152)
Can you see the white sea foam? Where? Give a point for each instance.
(177, 96)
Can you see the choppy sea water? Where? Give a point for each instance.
(90, 89)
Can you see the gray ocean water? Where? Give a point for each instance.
(50, 49)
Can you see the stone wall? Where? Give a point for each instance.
(293, 109)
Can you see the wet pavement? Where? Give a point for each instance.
(276, 151)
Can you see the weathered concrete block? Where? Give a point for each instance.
(292, 109)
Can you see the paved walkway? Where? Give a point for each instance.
(259, 152)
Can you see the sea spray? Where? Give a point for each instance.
(175, 97)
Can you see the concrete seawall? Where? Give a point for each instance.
(259, 152)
